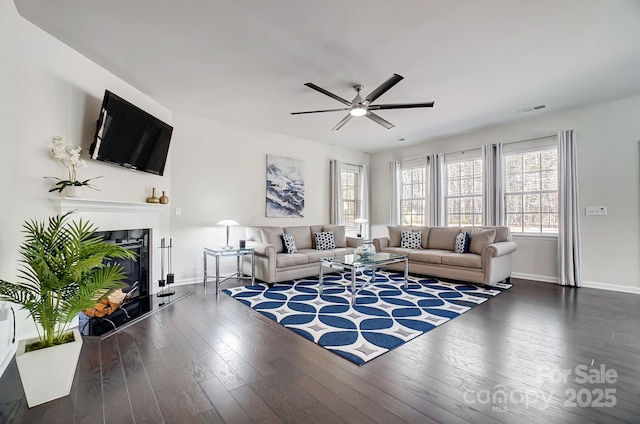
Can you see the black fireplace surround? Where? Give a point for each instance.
(140, 300)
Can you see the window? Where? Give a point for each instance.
(531, 190)
(350, 186)
(463, 197)
(413, 195)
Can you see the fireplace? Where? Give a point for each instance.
(121, 221)
(138, 300)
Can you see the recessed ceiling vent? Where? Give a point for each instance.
(532, 109)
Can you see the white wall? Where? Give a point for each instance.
(608, 137)
(219, 173)
(48, 89)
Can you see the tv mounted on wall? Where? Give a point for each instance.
(128, 136)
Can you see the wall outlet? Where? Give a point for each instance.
(595, 210)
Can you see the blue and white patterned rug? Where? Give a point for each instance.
(384, 317)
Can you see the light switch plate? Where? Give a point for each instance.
(595, 210)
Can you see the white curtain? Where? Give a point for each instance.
(364, 199)
(335, 214)
(499, 207)
(436, 189)
(394, 195)
(569, 256)
(493, 186)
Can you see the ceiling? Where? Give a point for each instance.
(245, 62)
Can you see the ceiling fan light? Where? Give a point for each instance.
(358, 111)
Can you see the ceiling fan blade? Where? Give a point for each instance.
(400, 106)
(341, 123)
(383, 88)
(319, 111)
(328, 93)
(375, 118)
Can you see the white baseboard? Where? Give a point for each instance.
(588, 284)
(610, 287)
(535, 277)
(189, 281)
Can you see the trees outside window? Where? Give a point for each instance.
(463, 193)
(531, 191)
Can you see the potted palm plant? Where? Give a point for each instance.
(65, 269)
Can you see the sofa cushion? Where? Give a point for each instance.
(430, 256)
(343, 251)
(253, 234)
(425, 235)
(502, 233)
(395, 234)
(324, 240)
(301, 235)
(410, 239)
(289, 243)
(443, 237)
(339, 234)
(466, 260)
(480, 239)
(396, 250)
(272, 235)
(315, 255)
(462, 243)
(314, 229)
(284, 260)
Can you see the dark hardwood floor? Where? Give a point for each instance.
(212, 360)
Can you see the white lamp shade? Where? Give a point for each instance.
(227, 222)
(360, 220)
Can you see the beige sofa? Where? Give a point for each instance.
(273, 264)
(488, 262)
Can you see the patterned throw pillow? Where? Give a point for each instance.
(289, 243)
(410, 239)
(325, 241)
(462, 243)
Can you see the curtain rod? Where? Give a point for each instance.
(352, 164)
(532, 139)
(510, 142)
(480, 148)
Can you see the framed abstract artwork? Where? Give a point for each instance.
(285, 187)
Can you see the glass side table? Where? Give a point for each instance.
(238, 252)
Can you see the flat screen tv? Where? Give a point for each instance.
(128, 136)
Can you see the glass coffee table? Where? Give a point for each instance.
(354, 263)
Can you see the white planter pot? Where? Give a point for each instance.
(73, 191)
(47, 374)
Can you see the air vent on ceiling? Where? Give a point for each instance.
(531, 109)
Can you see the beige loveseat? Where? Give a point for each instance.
(488, 261)
(274, 265)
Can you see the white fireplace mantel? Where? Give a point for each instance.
(66, 204)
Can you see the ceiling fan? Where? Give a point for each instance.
(363, 107)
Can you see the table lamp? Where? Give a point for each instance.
(227, 223)
(360, 221)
